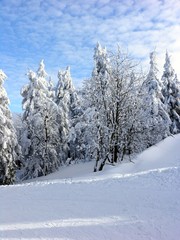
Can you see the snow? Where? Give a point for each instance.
(136, 201)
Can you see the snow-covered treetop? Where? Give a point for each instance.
(2, 77)
(168, 70)
(41, 70)
(31, 75)
(100, 58)
(38, 87)
(168, 78)
(152, 82)
(65, 80)
(153, 64)
(99, 50)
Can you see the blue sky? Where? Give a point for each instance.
(65, 32)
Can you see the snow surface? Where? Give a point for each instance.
(131, 201)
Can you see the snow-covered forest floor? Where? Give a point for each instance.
(136, 201)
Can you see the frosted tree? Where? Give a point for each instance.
(158, 121)
(66, 91)
(125, 117)
(41, 138)
(111, 120)
(133, 118)
(96, 93)
(171, 95)
(9, 148)
(70, 110)
(84, 132)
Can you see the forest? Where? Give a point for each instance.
(119, 111)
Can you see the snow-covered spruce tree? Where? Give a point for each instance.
(171, 95)
(157, 119)
(84, 131)
(69, 108)
(97, 104)
(112, 116)
(9, 148)
(41, 138)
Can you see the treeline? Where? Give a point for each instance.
(118, 112)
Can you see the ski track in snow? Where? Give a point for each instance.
(119, 207)
(142, 205)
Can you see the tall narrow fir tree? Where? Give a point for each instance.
(9, 148)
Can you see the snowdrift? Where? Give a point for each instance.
(136, 201)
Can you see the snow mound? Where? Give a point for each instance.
(164, 155)
(137, 201)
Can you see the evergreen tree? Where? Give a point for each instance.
(97, 100)
(41, 137)
(9, 148)
(171, 95)
(158, 121)
(70, 110)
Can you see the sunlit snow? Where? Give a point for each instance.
(136, 201)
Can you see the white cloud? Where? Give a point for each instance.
(65, 32)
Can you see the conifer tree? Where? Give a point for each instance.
(9, 148)
(97, 100)
(41, 133)
(158, 121)
(69, 110)
(171, 95)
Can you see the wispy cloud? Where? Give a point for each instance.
(65, 33)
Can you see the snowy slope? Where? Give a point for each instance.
(129, 201)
